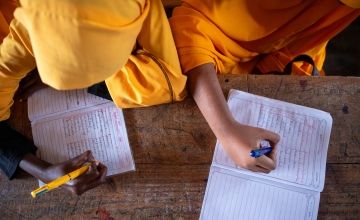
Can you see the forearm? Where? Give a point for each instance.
(13, 148)
(236, 139)
(207, 93)
(34, 166)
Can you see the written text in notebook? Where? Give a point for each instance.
(67, 123)
(292, 190)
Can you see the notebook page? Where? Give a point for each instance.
(47, 102)
(231, 195)
(304, 132)
(100, 129)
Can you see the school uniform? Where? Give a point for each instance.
(127, 45)
(246, 36)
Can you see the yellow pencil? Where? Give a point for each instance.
(60, 181)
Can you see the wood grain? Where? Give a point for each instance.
(173, 146)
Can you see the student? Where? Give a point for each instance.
(245, 36)
(78, 44)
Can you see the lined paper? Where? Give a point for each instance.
(86, 123)
(292, 190)
(233, 196)
(304, 132)
(48, 101)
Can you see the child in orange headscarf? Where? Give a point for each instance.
(76, 44)
(244, 36)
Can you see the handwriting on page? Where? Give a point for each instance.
(49, 101)
(99, 130)
(302, 138)
(302, 148)
(92, 129)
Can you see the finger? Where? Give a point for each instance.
(96, 173)
(265, 162)
(93, 167)
(80, 189)
(102, 171)
(272, 137)
(273, 154)
(90, 181)
(258, 169)
(79, 160)
(91, 157)
(84, 179)
(262, 170)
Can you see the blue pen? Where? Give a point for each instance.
(261, 151)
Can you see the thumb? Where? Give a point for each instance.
(270, 136)
(80, 160)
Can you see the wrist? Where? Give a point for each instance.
(34, 166)
(226, 128)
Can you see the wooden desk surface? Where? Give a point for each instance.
(173, 147)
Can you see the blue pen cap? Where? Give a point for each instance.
(261, 151)
(265, 148)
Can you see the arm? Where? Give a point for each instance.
(16, 60)
(16, 152)
(47, 172)
(237, 139)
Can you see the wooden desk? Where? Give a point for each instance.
(173, 147)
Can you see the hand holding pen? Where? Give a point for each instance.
(265, 148)
(239, 140)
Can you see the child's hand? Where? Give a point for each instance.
(92, 178)
(240, 139)
(237, 139)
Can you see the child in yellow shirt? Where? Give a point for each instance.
(244, 36)
(77, 44)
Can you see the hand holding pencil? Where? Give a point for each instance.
(60, 181)
(78, 175)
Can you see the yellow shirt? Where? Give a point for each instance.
(239, 35)
(75, 44)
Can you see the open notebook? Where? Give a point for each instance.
(292, 190)
(67, 123)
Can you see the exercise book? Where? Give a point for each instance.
(67, 123)
(292, 190)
